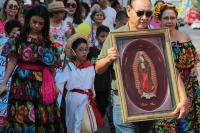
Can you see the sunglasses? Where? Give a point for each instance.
(141, 13)
(71, 4)
(14, 7)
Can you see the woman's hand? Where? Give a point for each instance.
(70, 26)
(3, 88)
(181, 110)
(194, 71)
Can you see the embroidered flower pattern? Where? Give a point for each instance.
(26, 107)
(27, 53)
(48, 57)
(6, 48)
(185, 58)
(31, 114)
(23, 73)
(40, 50)
(21, 112)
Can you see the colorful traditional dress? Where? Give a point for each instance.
(185, 57)
(26, 111)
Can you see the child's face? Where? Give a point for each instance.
(15, 30)
(82, 51)
(102, 37)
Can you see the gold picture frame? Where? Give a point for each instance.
(144, 68)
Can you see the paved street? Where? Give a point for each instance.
(195, 36)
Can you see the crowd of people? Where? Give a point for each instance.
(51, 73)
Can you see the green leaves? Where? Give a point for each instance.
(195, 4)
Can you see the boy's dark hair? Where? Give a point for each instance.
(102, 29)
(95, 2)
(121, 15)
(12, 24)
(86, 6)
(114, 3)
(78, 41)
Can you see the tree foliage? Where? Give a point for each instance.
(195, 4)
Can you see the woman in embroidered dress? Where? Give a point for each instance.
(97, 17)
(77, 78)
(32, 105)
(186, 59)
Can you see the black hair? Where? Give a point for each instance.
(33, 1)
(93, 3)
(78, 13)
(12, 24)
(121, 15)
(87, 8)
(95, 12)
(102, 29)
(114, 3)
(158, 2)
(77, 42)
(51, 14)
(37, 11)
(134, 0)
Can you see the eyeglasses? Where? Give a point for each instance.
(121, 22)
(141, 13)
(82, 50)
(167, 18)
(14, 7)
(71, 4)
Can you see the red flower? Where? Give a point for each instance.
(182, 59)
(36, 40)
(27, 53)
(189, 54)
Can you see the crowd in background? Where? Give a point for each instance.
(55, 49)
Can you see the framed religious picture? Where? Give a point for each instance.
(145, 74)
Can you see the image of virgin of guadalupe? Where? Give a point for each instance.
(145, 75)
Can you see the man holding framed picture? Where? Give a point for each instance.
(139, 12)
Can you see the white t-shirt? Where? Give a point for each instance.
(110, 14)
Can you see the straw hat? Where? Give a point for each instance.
(71, 40)
(56, 6)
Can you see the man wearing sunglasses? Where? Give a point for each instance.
(139, 12)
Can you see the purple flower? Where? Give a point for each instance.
(6, 48)
(51, 116)
(28, 39)
(31, 114)
(40, 51)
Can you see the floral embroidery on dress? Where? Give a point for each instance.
(185, 58)
(26, 111)
(48, 57)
